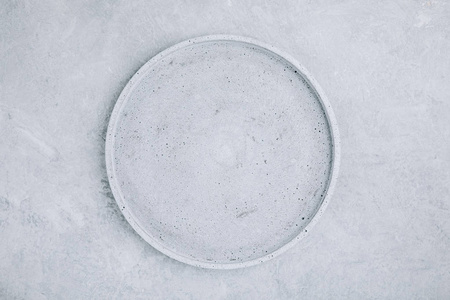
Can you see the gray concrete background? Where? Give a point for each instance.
(385, 67)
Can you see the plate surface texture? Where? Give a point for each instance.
(222, 151)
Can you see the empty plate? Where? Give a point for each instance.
(222, 151)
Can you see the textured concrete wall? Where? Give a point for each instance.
(385, 67)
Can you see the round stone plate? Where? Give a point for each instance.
(222, 152)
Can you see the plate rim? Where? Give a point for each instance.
(122, 99)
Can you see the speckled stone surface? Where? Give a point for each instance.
(385, 67)
(221, 152)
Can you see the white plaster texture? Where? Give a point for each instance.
(221, 153)
(385, 68)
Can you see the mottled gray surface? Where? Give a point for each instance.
(220, 154)
(385, 67)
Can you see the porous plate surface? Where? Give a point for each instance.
(221, 152)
